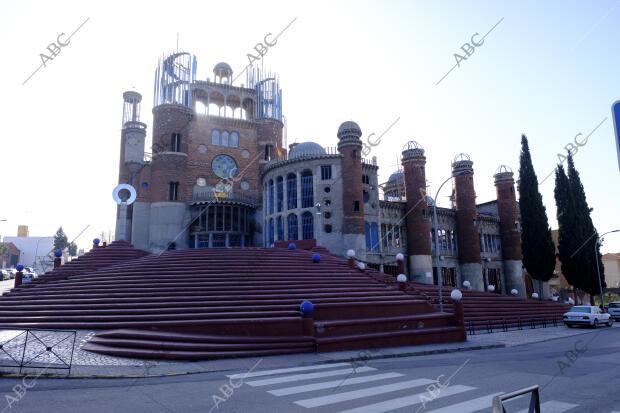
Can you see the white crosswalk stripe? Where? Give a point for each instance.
(406, 401)
(307, 376)
(357, 394)
(333, 393)
(553, 406)
(333, 384)
(286, 370)
(468, 406)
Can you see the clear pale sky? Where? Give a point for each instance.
(548, 69)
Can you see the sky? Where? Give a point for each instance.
(545, 69)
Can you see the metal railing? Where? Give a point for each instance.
(40, 348)
(498, 401)
(507, 324)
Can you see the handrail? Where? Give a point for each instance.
(498, 405)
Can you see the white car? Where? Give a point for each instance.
(587, 315)
(614, 310)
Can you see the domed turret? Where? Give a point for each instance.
(349, 129)
(223, 71)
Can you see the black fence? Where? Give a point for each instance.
(511, 324)
(37, 348)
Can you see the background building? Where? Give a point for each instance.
(35, 251)
(11, 256)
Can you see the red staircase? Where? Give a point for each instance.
(209, 303)
(491, 310)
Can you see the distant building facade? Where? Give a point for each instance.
(35, 251)
(11, 256)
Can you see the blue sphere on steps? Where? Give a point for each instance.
(306, 307)
(292, 246)
(58, 254)
(96, 241)
(316, 258)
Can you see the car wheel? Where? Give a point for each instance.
(595, 325)
(610, 322)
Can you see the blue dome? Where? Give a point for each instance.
(396, 177)
(306, 148)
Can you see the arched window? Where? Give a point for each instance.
(307, 192)
(271, 196)
(367, 232)
(374, 235)
(291, 192)
(280, 193)
(307, 225)
(270, 232)
(280, 228)
(215, 137)
(291, 223)
(225, 138)
(234, 140)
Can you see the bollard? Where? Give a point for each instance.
(400, 259)
(18, 276)
(57, 254)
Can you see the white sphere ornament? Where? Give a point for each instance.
(361, 265)
(491, 288)
(466, 284)
(350, 253)
(402, 278)
(456, 295)
(400, 257)
(534, 295)
(514, 292)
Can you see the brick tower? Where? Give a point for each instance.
(350, 146)
(417, 218)
(466, 222)
(133, 134)
(509, 229)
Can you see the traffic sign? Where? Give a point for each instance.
(615, 111)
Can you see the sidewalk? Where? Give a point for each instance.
(91, 365)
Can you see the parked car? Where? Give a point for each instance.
(5, 274)
(12, 272)
(587, 315)
(28, 276)
(614, 310)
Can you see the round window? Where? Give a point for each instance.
(327, 202)
(201, 181)
(327, 215)
(327, 189)
(224, 166)
(202, 149)
(245, 185)
(245, 154)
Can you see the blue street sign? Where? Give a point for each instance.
(615, 111)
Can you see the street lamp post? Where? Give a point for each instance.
(437, 234)
(598, 271)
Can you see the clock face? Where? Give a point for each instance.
(224, 166)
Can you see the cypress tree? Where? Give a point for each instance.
(585, 255)
(536, 241)
(567, 231)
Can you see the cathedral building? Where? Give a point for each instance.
(219, 174)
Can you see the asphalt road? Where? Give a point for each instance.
(576, 374)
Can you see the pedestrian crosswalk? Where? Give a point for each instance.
(344, 388)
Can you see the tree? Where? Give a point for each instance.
(536, 241)
(60, 240)
(584, 255)
(72, 249)
(568, 239)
